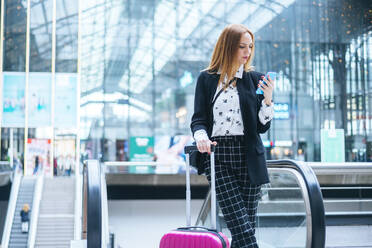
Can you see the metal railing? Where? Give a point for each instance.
(340, 168)
(11, 209)
(142, 167)
(305, 175)
(35, 210)
(78, 206)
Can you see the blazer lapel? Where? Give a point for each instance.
(247, 98)
(213, 86)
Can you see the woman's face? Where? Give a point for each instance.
(245, 48)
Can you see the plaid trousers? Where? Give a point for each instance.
(237, 198)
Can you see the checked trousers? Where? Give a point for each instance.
(237, 198)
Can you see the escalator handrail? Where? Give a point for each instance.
(315, 197)
(341, 168)
(105, 225)
(11, 209)
(38, 192)
(341, 164)
(78, 206)
(92, 181)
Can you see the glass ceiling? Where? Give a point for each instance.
(106, 59)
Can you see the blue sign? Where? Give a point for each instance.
(39, 99)
(332, 143)
(65, 115)
(281, 111)
(186, 79)
(13, 100)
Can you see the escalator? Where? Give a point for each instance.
(347, 192)
(52, 217)
(347, 197)
(55, 221)
(290, 212)
(22, 192)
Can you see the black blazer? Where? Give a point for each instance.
(250, 104)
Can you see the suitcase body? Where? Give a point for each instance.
(191, 236)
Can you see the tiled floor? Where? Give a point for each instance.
(141, 223)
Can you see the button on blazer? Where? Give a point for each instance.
(250, 104)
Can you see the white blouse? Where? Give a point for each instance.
(227, 118)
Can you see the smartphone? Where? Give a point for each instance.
(272, 77)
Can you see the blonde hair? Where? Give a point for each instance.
(26, 207)
(225, 50)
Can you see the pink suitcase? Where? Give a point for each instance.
(191, 236)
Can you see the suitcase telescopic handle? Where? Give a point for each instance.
(194, 148)
(197, 228)
(188, 150)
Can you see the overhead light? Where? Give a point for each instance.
(182, 111)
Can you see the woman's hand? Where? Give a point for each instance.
(205, 145)
(267, 89)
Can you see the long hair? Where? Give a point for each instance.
(225, 51)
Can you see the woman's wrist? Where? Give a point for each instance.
(200, 135)
(268, 102)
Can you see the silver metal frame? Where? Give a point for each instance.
(341, 168)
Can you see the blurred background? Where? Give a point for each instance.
(123, 70)
(114, 80)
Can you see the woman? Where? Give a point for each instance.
(36, 164)
(25, 218)
(229, 114)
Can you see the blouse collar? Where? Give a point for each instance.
(238, 74)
